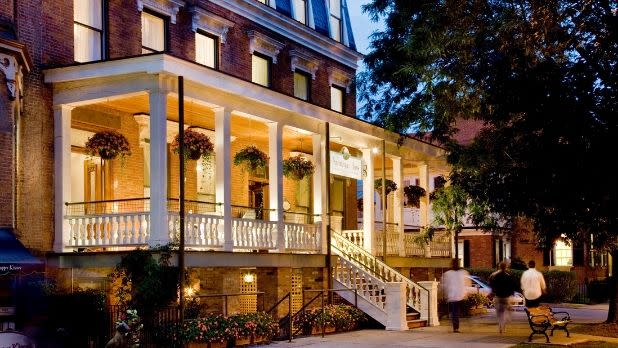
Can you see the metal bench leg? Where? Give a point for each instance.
(530, 337)
(547, 337)
(567, 331)
(552, 331)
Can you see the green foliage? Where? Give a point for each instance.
(342, 317)
(145, 283)
(217, 328)
(561, 286)
(297, 167)
(259, 324)
(413, 195)
(391, 186)
(518, 264)
(472, 301)
(251, 159)
(197, 145)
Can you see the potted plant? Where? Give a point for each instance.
(251, 158)
(197, 145)
(413, 195)
(108, 145)
(390, 186)
(297, 167)
(210, 331)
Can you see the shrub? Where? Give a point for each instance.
(598, 291)
(253, 324)
(473, 301)
(212, 328)
(561, 286)
(342, 317)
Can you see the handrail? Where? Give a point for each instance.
(248, 207)
(109, 201)
(225, 296)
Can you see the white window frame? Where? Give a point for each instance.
(305, 12)
(343, 93)
(308, 79)
(100, 31)
(165, 20)
(268, 69)
(215, 53)
(335, 33)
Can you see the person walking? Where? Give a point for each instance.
(454, 283)
(503, 285)
(533, 285)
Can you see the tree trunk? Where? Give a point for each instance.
(612, 314)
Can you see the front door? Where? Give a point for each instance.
(97, 185)
(337, 198)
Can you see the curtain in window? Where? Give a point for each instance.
(87, 29)
(300, 11)
(259, 70)
(205, 50)
(153, 33)
(301, 84)
(336, 99)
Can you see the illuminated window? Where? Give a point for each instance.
(563, 254)
(335, 19)
(88, 30)
(153, 33)
(260, 70)
(301, 85)
(265, 2)
(206, 49)
(336, 98)
(300, 10)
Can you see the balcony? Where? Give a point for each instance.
(126, 223)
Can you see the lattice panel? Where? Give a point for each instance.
(248, 303)
(297, 290)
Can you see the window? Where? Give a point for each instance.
(206, 49)
(336, 98)
(88, 30)
(301, 85)
(154, 35)
(260, 70)
(563, 254)
(335, 19)
(265, 2)
(300, 10)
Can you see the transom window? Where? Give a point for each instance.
(88, 30)
(335, 19)
(260, 70)
(154, 32)
(301, 85)
(300, 10)
(206, 49)
(336, 98)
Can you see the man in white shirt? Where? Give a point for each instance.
(454, 283)
(533, 285)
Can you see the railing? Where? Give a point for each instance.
(361, 258)
(254, 234)
(112, 206)
(195, 207)
(200, 230)
(392, 238)
(303, 237)
(252, 213)
(115, 229)
(440, 244)
(259, 305)
(367, 286)
(411, 247)
(355, 236)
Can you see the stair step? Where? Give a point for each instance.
(413, 324)
(412, 316)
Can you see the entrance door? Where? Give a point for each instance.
(97, 185)
(337, 198)
(258, 199)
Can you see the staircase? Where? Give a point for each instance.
(356, 269)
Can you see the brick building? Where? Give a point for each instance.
(277, 75)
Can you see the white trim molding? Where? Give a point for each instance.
(10, 68)
(167, 7)
(304, 61)
(340, 78)
(264, 45)
(210, 23)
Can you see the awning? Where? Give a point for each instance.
(14, 257)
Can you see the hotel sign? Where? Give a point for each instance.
(342, 163)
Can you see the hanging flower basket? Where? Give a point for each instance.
(197, 145)
(251, 159)
(390, 186)
(297, 167)
(413, 195)
(108, 145)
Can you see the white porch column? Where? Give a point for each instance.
(62, 175)
(398, 203)
(159, 229)
(423, 178)
(319, 184)
(368, 205)
(275, 179)
(224, 173)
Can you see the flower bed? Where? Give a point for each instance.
(333, 318)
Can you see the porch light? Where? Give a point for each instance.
(375, 150)
(248, 277)
(189, 292)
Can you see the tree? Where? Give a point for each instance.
(539, 76)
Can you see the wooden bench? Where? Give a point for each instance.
(542, 318)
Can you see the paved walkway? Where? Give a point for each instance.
(479, 331)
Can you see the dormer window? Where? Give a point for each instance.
(88, 30)
(300, 10)
(154, 32)
(335, 19)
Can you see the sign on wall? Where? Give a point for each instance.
(342, 163)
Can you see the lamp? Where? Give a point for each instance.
(248, 277)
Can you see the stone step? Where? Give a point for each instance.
(416, 323)
(412, 316)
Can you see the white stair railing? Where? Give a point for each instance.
(376, 268)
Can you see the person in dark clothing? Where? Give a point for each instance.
(503, 285)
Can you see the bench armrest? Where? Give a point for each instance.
(544, 322)
(565, 316)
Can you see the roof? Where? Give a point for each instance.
(467, 130)
(13, 252)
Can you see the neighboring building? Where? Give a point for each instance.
(279, 75)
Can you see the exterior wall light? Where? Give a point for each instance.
(248, 277)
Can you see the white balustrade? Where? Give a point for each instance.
(201, 230)
(303, 237)
(392, 243)
(254, 234)
(441, 245)
(367, 286)
(411, 247)
(354, 236)
(104, 230)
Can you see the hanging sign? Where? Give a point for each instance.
(342, 163)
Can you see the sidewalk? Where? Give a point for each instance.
(479, 331)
